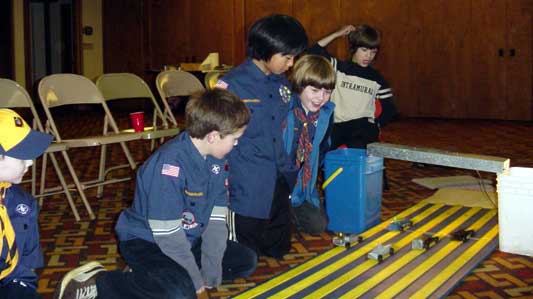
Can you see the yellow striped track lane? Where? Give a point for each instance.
(447, 272)
(278, 280)
(313, 278)
(411, 255)
(346, 277)
(434, 259)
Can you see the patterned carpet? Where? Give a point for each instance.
(67, 243)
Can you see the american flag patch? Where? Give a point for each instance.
(221, 84)
(170, 170)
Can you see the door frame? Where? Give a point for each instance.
(9, 48)
(76, 43)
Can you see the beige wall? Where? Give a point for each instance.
(91, 45)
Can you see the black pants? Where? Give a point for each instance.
(355, 133)
(18, 290)
(310, 219)
(270, 237)
(238, 261)
(153, 275)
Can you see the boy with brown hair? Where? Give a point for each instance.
(363, 98)
(174, 236)
(307, 137)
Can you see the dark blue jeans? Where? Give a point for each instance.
(238, 261)
(153, 275)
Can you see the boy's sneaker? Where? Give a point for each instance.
(79, 283)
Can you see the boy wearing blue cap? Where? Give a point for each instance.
(20, 251)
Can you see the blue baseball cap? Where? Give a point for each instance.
(18, 140)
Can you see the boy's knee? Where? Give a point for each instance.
(168, 282)
(250, 258)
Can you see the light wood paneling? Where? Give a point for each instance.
(319, 19)
(123, 31)
(212, 29)
(440, 56)
(253, 10)
(394, 59)
(489, 58)
(168, 38)
(440, 51)
(518, 68)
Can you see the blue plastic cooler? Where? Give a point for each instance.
(353, 198)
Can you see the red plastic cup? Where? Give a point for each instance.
(137, 121)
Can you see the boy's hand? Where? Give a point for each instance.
(345, 30)
(202, 294)
(339, 33)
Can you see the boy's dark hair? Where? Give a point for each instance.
(215, 110)
(276, 34)
(312, 70)
(364, 36)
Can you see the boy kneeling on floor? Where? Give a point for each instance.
(174, 236)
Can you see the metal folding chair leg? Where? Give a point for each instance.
(62, 181)
(79, 186)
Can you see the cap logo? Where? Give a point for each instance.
(18, 140)
(14, 129)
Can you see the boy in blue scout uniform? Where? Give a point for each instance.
(261, 173)
(307, 137)
(20, 251)
(174, 236)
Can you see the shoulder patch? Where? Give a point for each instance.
(221, 84)
(22, 209)
(170, 170)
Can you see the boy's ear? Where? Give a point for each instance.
(212, 136)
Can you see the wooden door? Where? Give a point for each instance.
(440, 49)
(518, 60)
(489, 56)
(501, 79)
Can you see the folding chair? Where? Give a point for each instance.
(70, 89)
(174, 83)
(122, 86)
(12, 95)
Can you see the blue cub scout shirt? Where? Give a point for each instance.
(23, 212)
(259, 156)
(175, 183)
